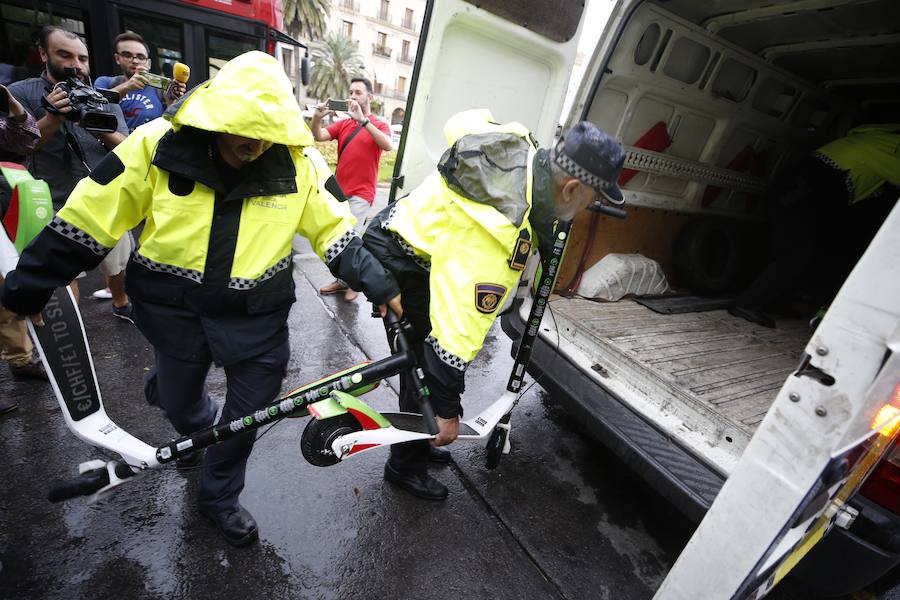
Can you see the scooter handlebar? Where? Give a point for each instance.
(398, 326)
(84, 485)
(88, 482)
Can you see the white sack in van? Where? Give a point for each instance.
(617, 275)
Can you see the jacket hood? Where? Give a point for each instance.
(250, 96)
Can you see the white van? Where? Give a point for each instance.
(713, 101)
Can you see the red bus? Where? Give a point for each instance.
(203, 34)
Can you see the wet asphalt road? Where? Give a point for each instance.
(560, 517)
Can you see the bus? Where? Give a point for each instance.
(204, 34)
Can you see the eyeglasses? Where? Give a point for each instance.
(129, 56)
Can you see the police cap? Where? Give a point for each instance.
(588, 154)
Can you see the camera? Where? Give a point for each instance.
(89, 106)
(342, 105)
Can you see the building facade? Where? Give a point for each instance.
(387, 32)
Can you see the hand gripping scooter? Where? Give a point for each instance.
(344, 425)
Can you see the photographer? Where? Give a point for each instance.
(140, 102)
(68, 152)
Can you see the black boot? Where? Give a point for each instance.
(421, 485)
(238, 527)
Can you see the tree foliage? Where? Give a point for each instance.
(335, 63)
(306, 19)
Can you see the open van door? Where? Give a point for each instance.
(511, 56)
(832, 421)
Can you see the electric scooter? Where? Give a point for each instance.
(343, 425)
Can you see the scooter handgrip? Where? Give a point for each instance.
(83, 485)
(606, 209)
(428, 417)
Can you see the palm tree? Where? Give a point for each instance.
(306, 18)
(334, 64)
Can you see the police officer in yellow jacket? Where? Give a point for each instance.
(222, 183)
(457, 245)
(819, 229)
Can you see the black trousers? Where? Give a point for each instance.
(413, 456)
(179, 388)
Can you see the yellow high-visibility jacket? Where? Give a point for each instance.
(468, 226)
(212, 275)
(869, 155)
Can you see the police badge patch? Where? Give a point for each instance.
(488, 296)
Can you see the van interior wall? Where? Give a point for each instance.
(749, 94)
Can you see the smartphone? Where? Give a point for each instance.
(342, 105)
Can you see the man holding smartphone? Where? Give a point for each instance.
(361, 140)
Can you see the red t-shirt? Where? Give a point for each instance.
(357, 168)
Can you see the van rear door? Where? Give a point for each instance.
(512, 57)
(832, 421)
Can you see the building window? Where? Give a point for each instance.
(384, 10)
(401, 85)
(347, 29)
(408, 19)
(406, 53)
(380, 47)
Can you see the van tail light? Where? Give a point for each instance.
(887, 419)
(883, 485)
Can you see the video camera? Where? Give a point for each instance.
(88, 105)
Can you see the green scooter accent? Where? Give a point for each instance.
(31, 206)
(339, 403)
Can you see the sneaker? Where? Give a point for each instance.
(126, 313)
(104, 294)
(32, 370)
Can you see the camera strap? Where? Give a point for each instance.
(75, 146)
(350, 139)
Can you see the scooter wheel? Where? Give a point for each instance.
(495, 448)
(315, 443)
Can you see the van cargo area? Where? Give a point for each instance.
(715, 102)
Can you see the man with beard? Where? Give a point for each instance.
(361, 140)
(67, 153)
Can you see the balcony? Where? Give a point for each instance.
(384, 16)
(349, 6)
(393, 93)
(379, 50)
(409, 24)
(406, 59)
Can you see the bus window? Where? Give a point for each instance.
(164, 38)
(19, 58)
(221, 48)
